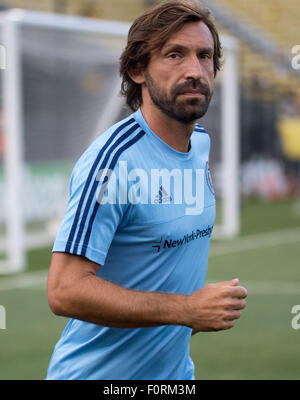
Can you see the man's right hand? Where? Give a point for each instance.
(216, 306)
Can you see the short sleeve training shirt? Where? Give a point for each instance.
(144, 212)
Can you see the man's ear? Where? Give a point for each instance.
(137, 75)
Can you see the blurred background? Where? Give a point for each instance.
(57, 94)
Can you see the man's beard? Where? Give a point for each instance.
(185, 110)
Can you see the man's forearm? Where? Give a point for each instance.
(96, 300)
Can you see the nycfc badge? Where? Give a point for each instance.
(208, 178)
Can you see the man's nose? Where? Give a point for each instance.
(194, 68)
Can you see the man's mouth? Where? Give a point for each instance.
(193, 93)
(196, 90)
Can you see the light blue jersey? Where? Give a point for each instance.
(145, 213)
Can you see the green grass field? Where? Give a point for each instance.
(262, 345)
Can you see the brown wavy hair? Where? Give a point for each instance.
(150, 32)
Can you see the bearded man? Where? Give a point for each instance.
(130, 259)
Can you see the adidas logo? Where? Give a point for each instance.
(162, 196)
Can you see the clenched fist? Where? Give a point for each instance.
(216, 306)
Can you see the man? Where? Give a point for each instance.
(130, 258)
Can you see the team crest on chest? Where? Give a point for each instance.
(208, 178)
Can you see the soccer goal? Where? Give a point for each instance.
(59, 85)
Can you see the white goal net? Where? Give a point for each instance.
(59, 80)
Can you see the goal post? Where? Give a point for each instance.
(230, 140)
(12, 136)
(35, 93)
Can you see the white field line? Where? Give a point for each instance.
(33, 240)
(37, 280)
(255, 242)
(26, 280)
(251, 242)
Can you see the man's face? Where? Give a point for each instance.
(179, 77)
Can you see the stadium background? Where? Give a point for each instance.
(265, 256)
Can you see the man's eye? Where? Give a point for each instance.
(205, 56)
(174, 56)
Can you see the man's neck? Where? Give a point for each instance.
(176, 134)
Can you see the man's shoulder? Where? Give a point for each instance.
(112, 145)
(115, 133)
